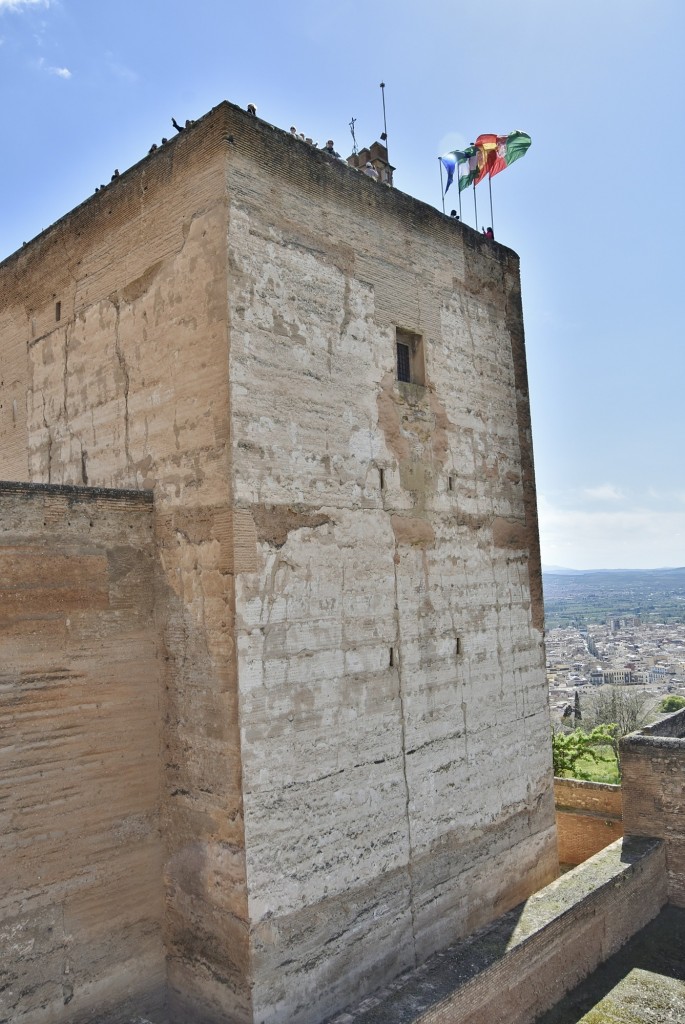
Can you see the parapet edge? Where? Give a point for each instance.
(220, 119)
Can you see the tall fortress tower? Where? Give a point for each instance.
(273, 702)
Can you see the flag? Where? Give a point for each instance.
(470, 158)
(487, 153)
(449, 161)
(452, 160)
(505, 151)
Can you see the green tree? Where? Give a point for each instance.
(672, 703)
(568, 748)
(624, 708)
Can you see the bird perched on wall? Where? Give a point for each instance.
(177, 126)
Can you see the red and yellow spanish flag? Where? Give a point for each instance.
(499, 151)
(487, 153)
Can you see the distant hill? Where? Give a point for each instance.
(580, 597)
(560, 570)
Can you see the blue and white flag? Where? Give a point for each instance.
(450, 161)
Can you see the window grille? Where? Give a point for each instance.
(403, 362)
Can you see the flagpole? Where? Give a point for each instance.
(442, 187)
(459, 189)
(492, 222)
(475, 204)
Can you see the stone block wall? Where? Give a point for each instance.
(589, 817)
(81, 854)
(394, 721)
(653, 768)
(129, 388)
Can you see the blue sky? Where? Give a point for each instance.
(595, 209)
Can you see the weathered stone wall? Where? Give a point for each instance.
(130, 389)
(395, 730)
(81, 900)
(522, 965)
(653, 770)
(389, 678)
(589, 817)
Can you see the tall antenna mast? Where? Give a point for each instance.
(354, 139)
(384, 135)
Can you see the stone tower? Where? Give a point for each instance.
(322, 382)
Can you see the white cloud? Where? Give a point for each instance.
(605, 492)
(635, 538)
(60, 72)
(18, 5)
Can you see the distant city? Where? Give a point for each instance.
(580, 599)
(616, 628)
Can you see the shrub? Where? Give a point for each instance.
(571, 747)
(672, 703)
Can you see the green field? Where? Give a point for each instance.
(601, 771)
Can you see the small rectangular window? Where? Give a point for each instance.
(450, 483)
(58, 311)
(410, 361)
(381, 478)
